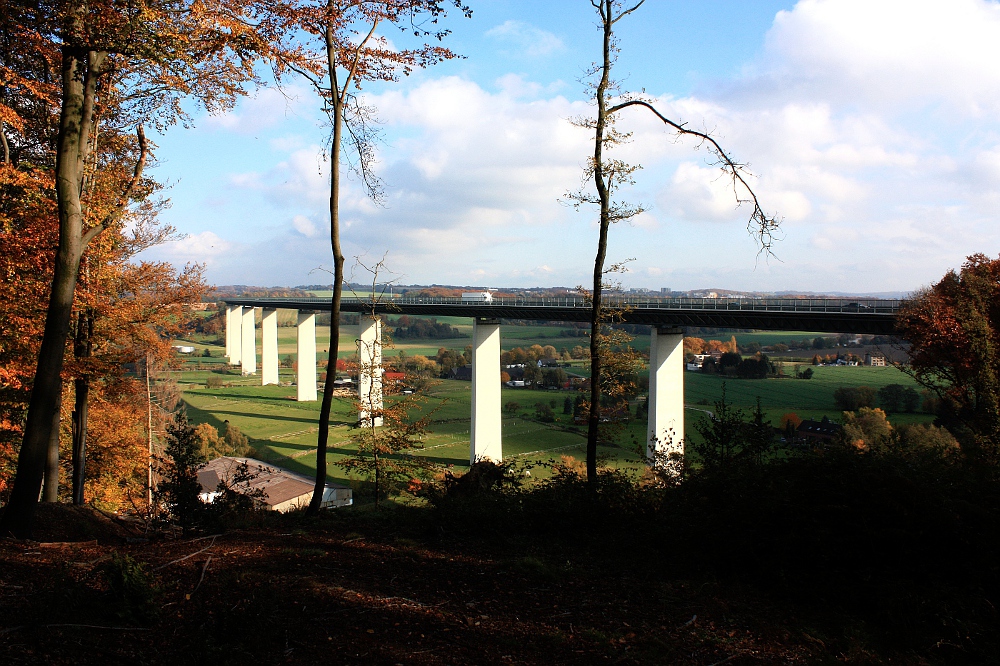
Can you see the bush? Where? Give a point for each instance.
(899, 542)
(544, 413)
(213, 382)
(132, 589)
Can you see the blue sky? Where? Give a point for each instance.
(873, 127)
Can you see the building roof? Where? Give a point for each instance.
(824, 429)
(280, 485)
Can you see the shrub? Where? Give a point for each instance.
(132, 589)
(543, 413)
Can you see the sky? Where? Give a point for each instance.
(872, 128)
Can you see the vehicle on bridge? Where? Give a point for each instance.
(477, 297)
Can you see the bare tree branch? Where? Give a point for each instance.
(761, 226)
(126, 196)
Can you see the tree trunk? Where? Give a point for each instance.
(594, 420)
(79, 80)
(338, 280)
(82, 348)
(82, 386)
(50, 489)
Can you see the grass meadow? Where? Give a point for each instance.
(284, 431)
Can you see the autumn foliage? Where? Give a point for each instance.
(954, 329)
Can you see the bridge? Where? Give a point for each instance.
(666, 317)
(819, 315)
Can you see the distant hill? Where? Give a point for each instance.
(246, 291)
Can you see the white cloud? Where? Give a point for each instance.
(698, 193)
(267, 108)
(888, 52)
(304, 226)
(525, 39)
(205, 247)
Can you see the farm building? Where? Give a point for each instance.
(820, 432)
(284, 490)
(876, 359)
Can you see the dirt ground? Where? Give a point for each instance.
(311, 596)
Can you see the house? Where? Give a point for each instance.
(464, 373)
(818, 432)
(284, 490)
(548, 363)
(183, 349)
(698, 361)
(393, 377)
(876, 359)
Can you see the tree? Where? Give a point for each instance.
(179, 489)
(954, 331)
(389, 428)
(609, 175)
(898, 398)
(852, 398)
(789, 423)
(730, 359)
(135, 62)
(335, 47)
(731, 439)
(866, 429)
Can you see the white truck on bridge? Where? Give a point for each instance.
(477, 297)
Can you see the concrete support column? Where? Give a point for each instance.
(666, 392)
(248, 351)
(369, 368)
(305, 375)
(229, 331)
(234, 334)
(485, 441)
(269, 347)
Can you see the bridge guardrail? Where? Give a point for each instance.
(830, 305)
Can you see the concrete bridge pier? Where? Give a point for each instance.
(229, 331)
(666, 392)
(305, 373)
(234, 333)
(248, 351)
(269, 347)
(486, 441)
(369, 368)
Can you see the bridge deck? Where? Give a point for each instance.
(826, 315)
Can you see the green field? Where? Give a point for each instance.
(284, 431)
